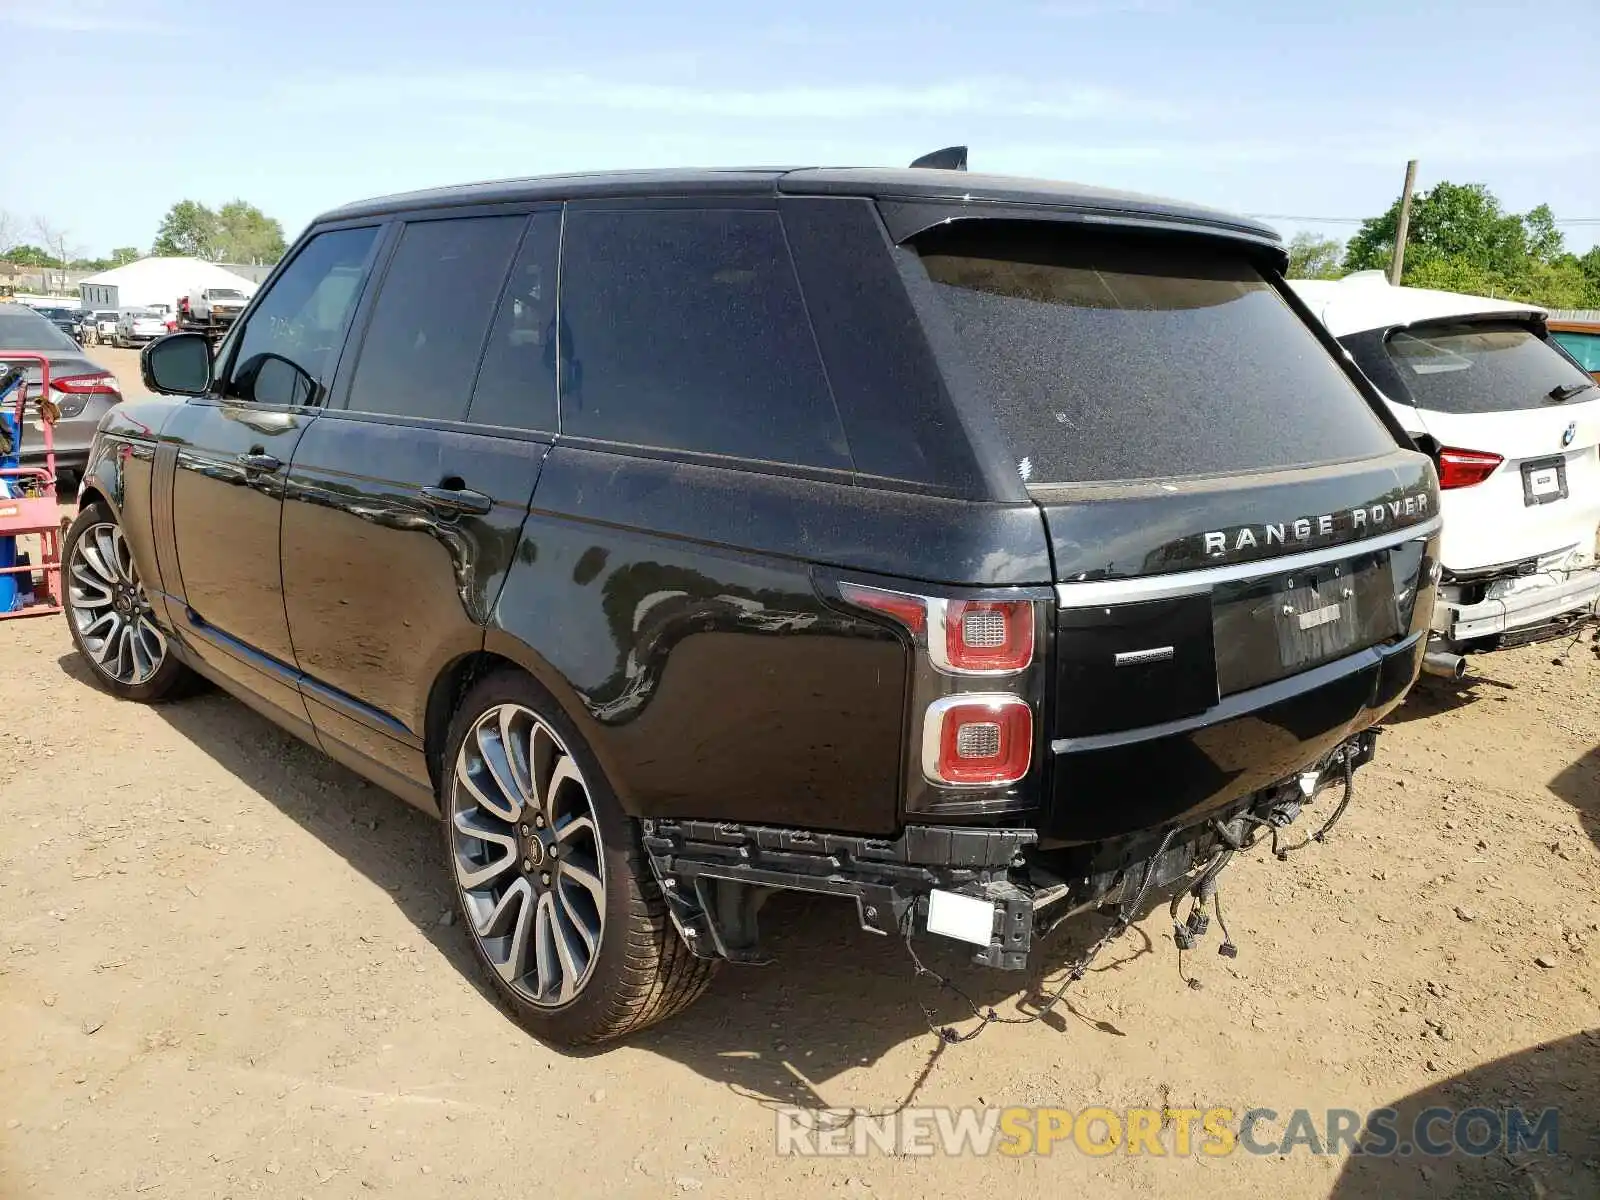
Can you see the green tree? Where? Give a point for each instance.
(124, 255)
(189, 229)
(248, 235)
(1545, 242)
(1589, 264)
(1462, 240)
(1314, 257)
(1449, 221)
(28, 255)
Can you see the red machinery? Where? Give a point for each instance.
(37, 514)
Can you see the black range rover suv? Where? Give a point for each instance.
(946, 543)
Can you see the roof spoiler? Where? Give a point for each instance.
(951, 158)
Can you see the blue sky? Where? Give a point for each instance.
(1307, 110)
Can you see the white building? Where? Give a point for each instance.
(157, 282)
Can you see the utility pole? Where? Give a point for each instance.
(1399, 258)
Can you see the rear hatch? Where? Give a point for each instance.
(1518, 426)
(1227, 508)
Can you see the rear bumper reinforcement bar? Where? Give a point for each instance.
(715, 874)
(889, 879)
(1519, 609)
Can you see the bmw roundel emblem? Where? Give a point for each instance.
(1568, 434)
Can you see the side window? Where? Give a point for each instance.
(431, 316)
(685, 330)
(517, 381)
(291, 341)
(1585, 347)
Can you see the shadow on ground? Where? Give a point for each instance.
(1563, 1075)
(1579, 786)
(836, 998)
(1432, 697)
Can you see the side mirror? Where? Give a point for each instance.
(177, 365)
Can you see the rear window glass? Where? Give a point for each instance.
(1123, 360)
(1482, 368)
(29, 331)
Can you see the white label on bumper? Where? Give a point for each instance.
(965, 918)
(1544, 483)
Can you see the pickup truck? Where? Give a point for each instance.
(210, 308)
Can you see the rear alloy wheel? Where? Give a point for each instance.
(550, 877)
(527, 856)
(109, 611)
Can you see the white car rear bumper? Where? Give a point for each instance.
(1513, 604)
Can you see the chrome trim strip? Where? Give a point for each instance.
(1134, 658)
(1096, 592)
(1243, 704)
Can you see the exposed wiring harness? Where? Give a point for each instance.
(949, 1036)
(1240, 834)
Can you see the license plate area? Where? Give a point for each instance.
(1544, 481)
(1275, 626)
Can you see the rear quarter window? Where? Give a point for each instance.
(1124, 360)
(1482, 367)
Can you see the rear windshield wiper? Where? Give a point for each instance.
(1563, 392)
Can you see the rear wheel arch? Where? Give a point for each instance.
(501, 651)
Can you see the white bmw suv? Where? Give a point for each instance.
(1513, 425)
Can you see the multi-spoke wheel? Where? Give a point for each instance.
(550, 877)
(109, 611)
(527, 855)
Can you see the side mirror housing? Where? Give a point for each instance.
(178, 364)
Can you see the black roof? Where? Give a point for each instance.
(906, 184)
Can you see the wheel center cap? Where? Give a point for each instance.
(535, 851)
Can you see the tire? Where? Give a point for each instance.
(631, 972)
(104, 598)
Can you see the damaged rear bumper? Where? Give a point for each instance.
(1467, 611)
(715, 875)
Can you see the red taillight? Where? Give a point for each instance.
(977, 740)
(86, 385)
(1463, 468)
(984, 636)
(910, 611)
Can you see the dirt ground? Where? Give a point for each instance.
(224, 973)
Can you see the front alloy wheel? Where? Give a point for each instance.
(527, 856)
(109, 607)
(109, 612)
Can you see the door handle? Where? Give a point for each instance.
(457, 501)
(256, 461)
